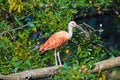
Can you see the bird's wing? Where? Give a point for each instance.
(55, 41)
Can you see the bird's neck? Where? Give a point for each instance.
(70, 33)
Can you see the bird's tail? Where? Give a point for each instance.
(41, 50)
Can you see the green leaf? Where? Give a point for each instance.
(91, 76)
(1, 43)
(16, 19)
(2, 24)
(65, 68)
(75, 65)
(47, 34)
(82, 75)
(28, 62)
(41, 4)
(74, 5)
(19, 63)
(65, 65)
(31, 25)
(1, 1)
(20, 35)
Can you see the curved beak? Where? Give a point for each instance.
(77, 26)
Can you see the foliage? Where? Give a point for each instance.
(77, 72)
(45, 17)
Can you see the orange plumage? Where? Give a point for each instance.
(55, 41)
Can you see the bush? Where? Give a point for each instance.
(43, 18)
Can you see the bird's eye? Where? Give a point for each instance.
(72, 23)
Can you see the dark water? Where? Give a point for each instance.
(110, 25)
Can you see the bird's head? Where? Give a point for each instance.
(72, 24)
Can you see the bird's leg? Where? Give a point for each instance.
(58, 55)
(55, 58)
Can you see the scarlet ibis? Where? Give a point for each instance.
(57, 40)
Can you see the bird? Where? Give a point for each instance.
(57, 40)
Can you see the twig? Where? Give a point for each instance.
(7, 31)
(88, 26)
(85, 32)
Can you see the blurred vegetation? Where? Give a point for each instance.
(43, 18)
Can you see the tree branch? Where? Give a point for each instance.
(106, 64)
(84, 31)
(90, 27)
(32, 74)
(50, 71)
(7, 31)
